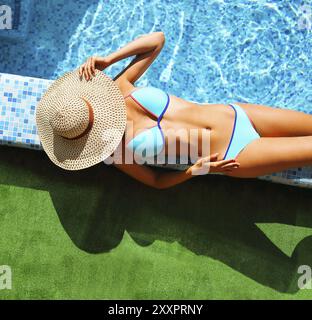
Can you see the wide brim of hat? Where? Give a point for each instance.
(109, 124)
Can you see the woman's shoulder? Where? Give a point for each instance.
(124, 85)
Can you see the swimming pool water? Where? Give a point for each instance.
(216, 50)
(19, 18)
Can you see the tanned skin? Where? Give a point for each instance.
(286, 135)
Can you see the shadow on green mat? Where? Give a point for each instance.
(214, 216)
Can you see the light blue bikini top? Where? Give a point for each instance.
(151, 141)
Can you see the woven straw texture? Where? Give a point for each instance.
(63, 113)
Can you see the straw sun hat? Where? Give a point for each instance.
(80, 123)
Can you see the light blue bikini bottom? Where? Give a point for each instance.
(243, 133)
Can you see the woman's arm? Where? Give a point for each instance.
(153, 178)
(140, 45)
(146, 48)
(163, 180)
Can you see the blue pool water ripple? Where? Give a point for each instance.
(216, 50)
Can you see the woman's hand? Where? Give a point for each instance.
(210, 164)
(87, 69)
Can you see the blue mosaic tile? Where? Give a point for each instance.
(50, 27)
(17, 122)
(21, 14)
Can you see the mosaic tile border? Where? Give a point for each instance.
(19, 97)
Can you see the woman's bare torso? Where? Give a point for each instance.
(188, 123)
(214, 121)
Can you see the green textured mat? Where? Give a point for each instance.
(97, 233)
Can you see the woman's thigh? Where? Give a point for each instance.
(268, 155)
(276, 122)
